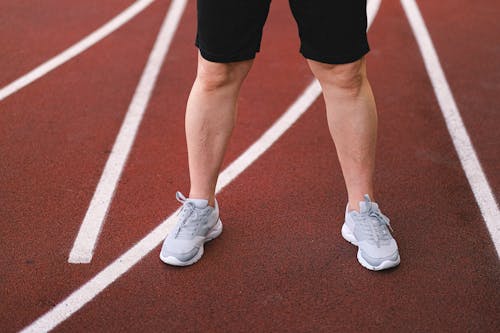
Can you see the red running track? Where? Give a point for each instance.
(281, 264)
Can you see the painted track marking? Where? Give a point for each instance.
(461, 140)
(85, 242)
(88, 291)
(76, 49)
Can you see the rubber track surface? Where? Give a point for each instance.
(280, 264)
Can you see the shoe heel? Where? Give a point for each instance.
(348, 235)
(215, 232)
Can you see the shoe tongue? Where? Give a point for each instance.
(364, 206)
(198, 203)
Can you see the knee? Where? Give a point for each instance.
(347, 78)
(212, 76)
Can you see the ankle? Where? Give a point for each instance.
(353, 204)
(209, 197)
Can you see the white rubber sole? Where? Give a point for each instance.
(386, 264)
(214, 233)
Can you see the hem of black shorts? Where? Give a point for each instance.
(336, 60)
(226, 59)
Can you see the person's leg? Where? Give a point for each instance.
(333, 39)
(352, 120)
(210, 117)
(228, 38)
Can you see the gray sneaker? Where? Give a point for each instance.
(197, 224)
(369, 230)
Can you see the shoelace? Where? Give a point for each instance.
(378, 229)
(187, 216)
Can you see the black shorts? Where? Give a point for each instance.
(331, 31)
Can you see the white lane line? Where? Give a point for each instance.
(111, 273)
(76, 300)
(91, 226)
(270, 136)
(463, 145)
(372, 7)
(76, 49)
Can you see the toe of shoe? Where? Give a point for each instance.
(180, 253)
(378, 263)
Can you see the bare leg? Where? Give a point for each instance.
(352, 120)
(210, 118)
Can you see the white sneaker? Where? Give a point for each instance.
(369, 230)
(198, 223)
